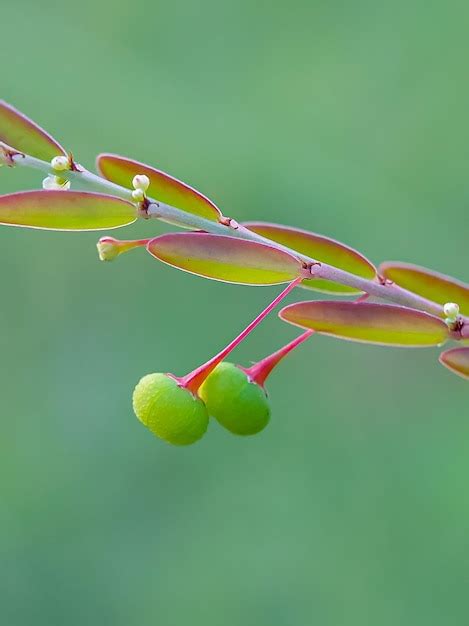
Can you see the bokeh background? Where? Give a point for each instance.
(352, 508)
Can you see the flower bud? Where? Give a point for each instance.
(55, 183)
(60, 163)
(138, 195)
(169, 410)
(108, 248)
(141, 181)
(451, 310)
(236, 402)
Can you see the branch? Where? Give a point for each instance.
(165, 212)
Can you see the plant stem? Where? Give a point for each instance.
(165, 212)
(260, 371)
(194, 380)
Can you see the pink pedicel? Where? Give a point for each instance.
(260, 371)
(195, 379)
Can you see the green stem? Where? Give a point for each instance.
(167, 213)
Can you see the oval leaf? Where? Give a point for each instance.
(163, 187)
(456, 360)
(321, 249)
(369, 323)
(428, 284)
(227, 259)
(65, 210)
(26, 136)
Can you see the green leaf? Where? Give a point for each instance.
(65, 210)
(319, 248)
(456, 360)
(428, 284)
(383, 324)
(26, 136)
(227, 259)
(163, 187)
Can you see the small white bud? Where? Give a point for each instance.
(108, 249)
(140, 181)
(138, 195)
(451, 310)
(49, 183)
(60, 163)
(54, 183)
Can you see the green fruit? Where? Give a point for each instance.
(168, 410)
(234, 401)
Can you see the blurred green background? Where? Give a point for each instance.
(352, 508)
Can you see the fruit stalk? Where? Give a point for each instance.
(260, 371)
(194, 380)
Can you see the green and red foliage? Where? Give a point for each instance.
(412, 306)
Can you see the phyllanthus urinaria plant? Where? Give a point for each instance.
(412, 306)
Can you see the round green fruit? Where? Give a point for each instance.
(171, 412)
(237, 403)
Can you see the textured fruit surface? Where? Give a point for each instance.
(236, 403)
(168, 410)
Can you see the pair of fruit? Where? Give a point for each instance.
(178, 409)
(179, 416)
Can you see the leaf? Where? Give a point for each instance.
(163, 187)
(428, 284)
(226, 258)
(65, 210)
(456, 360)
(321, 249)
(24, 135)
(369, 323)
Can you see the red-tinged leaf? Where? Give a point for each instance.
(227, 259)
(163, 187)
(321, 249)
(369, 323)
(456, 360)
(24, 135)
(65, 210)
(428, 284)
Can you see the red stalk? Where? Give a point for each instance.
(260, 371)
(194, 380)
